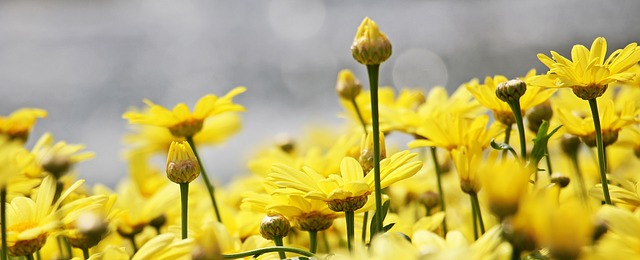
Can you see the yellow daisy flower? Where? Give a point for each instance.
(18, 124)
(351, 187)
(486, 95)
(165, 246)
(16, 162)
(29, 221)
(589, 71)
(450, 131)
(58, 158)
(180, 121)
(622, 240)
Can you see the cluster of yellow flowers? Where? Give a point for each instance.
(564, 186)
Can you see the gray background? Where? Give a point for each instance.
(86, 62)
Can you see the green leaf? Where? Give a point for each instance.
(503, 146)
(387, 227)
(374, 220)
(540, 144)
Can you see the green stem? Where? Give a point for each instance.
(257, 252)
(207, 182)
(576, 167)
(474, 220)
(476, 204)
(278, 241)
(428, 211)
(325, 241)
(355, 106)
(601, 159)
(507, 136)
(546, 151)
(85, 253)
(364, 226)
(517, 113)
(313, 241)
(29, 256)
(132, 238)
(434, 157)
(350, 219)
(184, 202)
(3, 218)
(373, 85)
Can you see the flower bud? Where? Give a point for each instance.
(511, 91)
(538, 114)
(347, 85)
(370, 46)
(273, 226)
(285, 143)
(570, 144)
(560, 179)
(430, 199)
(182, 164)
(92, 228)
(366, 151)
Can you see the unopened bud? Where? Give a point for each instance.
(347, 85)
(560, 179)
(370, 46)
(285, 143)
(366, 151)
(538, 114)
(92, 227)
(511, 91)
(430, 199)
(274, 226)
(570, 144)
(182, 164)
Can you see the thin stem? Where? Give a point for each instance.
(355, 106)
(350, 219)
(365, 220)
(428, 211)
(184, 201)
(373, 85)
(29, 256)
(278, 241)
(325, 241)
(257, 252)
(476, 204)
(207, 182)
(601, 159)
(436, 165)
(546, 151)
(475, 221)
(132, 238)
(576, 166)
(3, 216)
(517, 113)
(313, 241)
(507, 136)
(85, 253)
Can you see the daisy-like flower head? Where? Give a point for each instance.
(347, 191)
(58, 158)
(18, 124)
(165, 246)
(611, 123)
(589, 71)
(370, 46)
(450, 131)
(505, 184)
(29, 221)
(467, 160)
(180, 121)
(486, 95)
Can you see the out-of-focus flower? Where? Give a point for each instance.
(347, 85)
(180, 121)
(370, 46)
(18, 124)
(505, 184)
(57, 159)
(165, 246)
(456, 246)
(467, 160)
(450, 131)
(589, 71)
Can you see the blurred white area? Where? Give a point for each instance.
(86, 62)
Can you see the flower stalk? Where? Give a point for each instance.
(600, 146)
(373, 70)
(3, 218)
(184, 202)
(475, 203)
(205, 177)
(350, 220)
(313, 241)
(257, 252)
(434, 156)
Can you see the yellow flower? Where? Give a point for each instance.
(182, 164)
(622, 240)
(180, 121)
(58, 158)
(467, 160)
(450, 131)
(589, 72)
(370, 46)
(504, 184)
(29, 221)
(624, 193)
(86, 221)
(18, 124)
(486, 95)
(611, 123)
(456, 246)
(165, 246)
(351, 185)
(15, 161)
(347, 85)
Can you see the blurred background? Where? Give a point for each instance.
(87, 62)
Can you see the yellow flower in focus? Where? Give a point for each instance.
(348, 189)
(370, 46)
(165, 246)
(589, 71)
(486, 95)
(180, 121)
(18, 124)
(611, 123)
(29, 221)
(57, 159)
(182, 164)
(450, 131)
